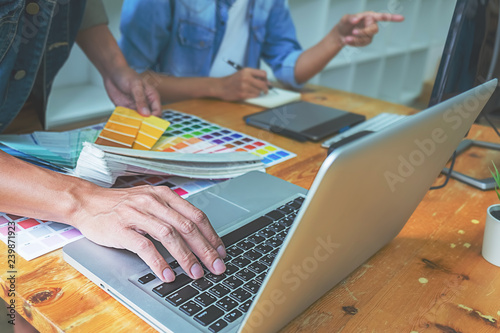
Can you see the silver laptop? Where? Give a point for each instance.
(286, 246)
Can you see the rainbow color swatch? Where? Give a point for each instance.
(190, 134)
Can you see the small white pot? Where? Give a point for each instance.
(491, 240)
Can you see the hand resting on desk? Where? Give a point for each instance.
(116, 218)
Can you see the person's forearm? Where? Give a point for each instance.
(27, 190)
(314, 59)
(116, 218)
(101, 48)
(174, 89)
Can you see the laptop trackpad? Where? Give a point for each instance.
(221, 212)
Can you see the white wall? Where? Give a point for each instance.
(401, 57)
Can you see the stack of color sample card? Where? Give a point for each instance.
(102, 165)
(181, 145)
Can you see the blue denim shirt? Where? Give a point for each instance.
(182, 37)
(36, 40)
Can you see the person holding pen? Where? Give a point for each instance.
(183, 46)
(238, 67)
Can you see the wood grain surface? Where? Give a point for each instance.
(430, 278)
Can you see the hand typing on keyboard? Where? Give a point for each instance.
(217, 301)
(117, 218)
(120, 218)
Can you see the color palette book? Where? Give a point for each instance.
(190, 148)
(186, 134)
(190, 134)
(128, 129)
(102, 165)
(36, 237)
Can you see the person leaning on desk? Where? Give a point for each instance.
(36, 40)
(179, 43)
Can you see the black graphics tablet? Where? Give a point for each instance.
(304, 121)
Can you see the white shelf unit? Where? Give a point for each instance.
(400, 58)
(392, 68)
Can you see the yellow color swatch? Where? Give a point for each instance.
(128, 129)
(121, 128)
(151, 130)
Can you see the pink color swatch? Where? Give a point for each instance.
(71, 233)
(180, 191)
(28, 223)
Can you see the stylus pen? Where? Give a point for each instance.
(238, 67)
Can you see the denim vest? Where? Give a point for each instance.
(36, 40)
(182, 37)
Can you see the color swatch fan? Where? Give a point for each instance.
(102, 165)
(187, 155)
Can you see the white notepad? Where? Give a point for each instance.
(275, 97)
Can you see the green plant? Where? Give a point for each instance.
(496, 177)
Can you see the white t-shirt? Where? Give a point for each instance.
(235, 40)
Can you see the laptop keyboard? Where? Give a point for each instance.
(216, 301)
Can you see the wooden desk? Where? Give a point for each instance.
(431, 278)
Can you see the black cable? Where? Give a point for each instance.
(448, 175)
(491, 123)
